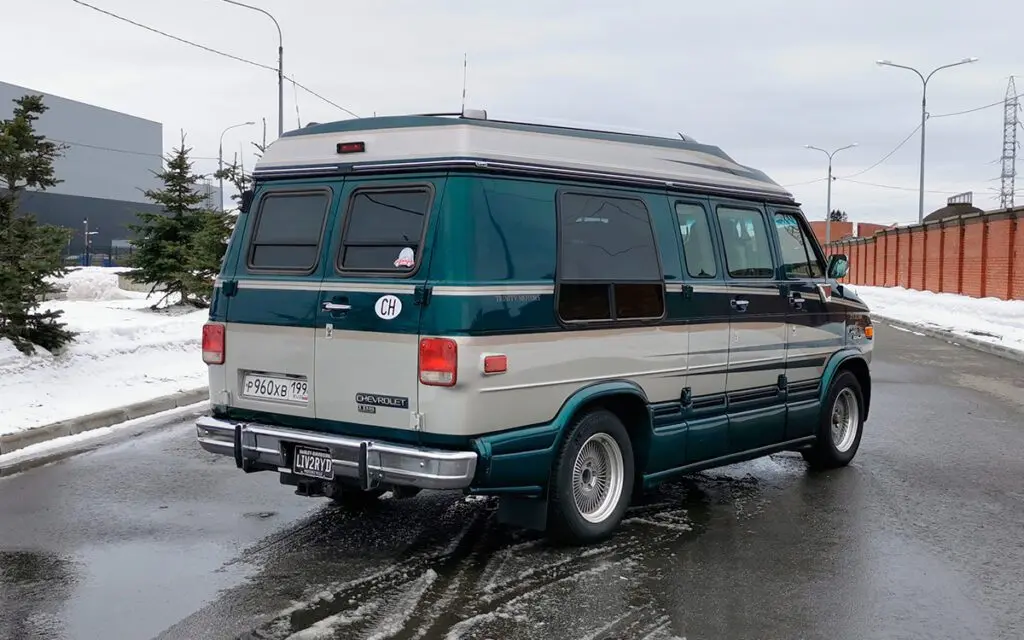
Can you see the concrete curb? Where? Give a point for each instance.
(72, 426)
(949, 336)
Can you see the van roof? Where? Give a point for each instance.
(393, 143)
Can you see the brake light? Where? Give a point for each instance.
(213, 343)
(439, 362)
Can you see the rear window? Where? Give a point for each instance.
(384, 230)
(288, 231)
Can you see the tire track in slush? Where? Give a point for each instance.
(470, 577)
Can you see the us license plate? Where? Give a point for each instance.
(264, 387)
(315, 463)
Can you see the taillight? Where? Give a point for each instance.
(439, 362)
(213, 343)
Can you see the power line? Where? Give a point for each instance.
(897, 188)
(800, 184)
(214, 51)
(987, 106)
(126, 151)
(886, 156)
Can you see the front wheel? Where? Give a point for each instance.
(841, 424)
(592, 479)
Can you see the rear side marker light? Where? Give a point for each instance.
(213, 343)
(495, 363)
(439, 362)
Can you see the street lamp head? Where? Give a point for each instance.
(883, 62)
(250, 123)
(971, 59)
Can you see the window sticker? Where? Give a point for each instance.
(406, 258)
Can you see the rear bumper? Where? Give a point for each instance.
(370, 462)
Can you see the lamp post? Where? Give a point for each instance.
(924, 116)
(280, 64)
(828, 202)
(220, 157)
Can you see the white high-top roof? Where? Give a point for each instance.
(436, 141)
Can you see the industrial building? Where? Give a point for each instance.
(110, 160)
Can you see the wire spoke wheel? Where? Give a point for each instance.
(597, 477)
(845, 420)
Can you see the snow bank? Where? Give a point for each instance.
(988, 319)
(124, 353)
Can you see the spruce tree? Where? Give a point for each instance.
(179, 249)
(30, 253)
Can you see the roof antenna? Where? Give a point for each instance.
(465, 71)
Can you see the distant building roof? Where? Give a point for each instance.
(958, 205)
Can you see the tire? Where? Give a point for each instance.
(608, 455)
(835, 448)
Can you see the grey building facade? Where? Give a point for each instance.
(110, 159)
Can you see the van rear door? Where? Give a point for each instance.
(368, 312)
(274, 291)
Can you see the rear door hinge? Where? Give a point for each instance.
(421, 295)
(783, 383)
(687, 291)
(229, 287)
(416, 421)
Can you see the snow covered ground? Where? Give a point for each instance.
(124, 353)
(989, 319)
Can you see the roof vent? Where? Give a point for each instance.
(475, 114)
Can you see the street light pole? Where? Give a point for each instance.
(280, 64)
(828, 202)
(220, 158)
(924, 117)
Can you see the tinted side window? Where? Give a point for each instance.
(698, 250)
(608, 266)
(384, 229)
(288, 231)
(513, 225)
(798, 256)
(745, 237)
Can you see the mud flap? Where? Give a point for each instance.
(523, 512)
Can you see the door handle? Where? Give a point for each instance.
(797, 301)
(739, 304)
(336, 306)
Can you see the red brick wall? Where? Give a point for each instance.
(977, 256)
(932, 258)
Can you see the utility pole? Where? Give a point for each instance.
(924, 117)
(828, 201)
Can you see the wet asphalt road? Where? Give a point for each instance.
(922, 537)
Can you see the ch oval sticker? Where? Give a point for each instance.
(388, 307)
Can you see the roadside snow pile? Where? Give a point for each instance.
(94, 283)
(124, 353)
(989, 319)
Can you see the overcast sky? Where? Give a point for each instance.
(759, 79)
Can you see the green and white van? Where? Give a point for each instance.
(557, 316)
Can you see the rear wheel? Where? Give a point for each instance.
(592, 479)
(840, 426)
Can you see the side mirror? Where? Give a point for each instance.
(838, 266)
(243, 207)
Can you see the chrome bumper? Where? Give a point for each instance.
(368, 461)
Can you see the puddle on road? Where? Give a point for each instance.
(33, 589)
(463, 576)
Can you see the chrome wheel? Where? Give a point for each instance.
(845, 420)
(597, 477)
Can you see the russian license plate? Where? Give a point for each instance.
(315, 463)
(264, 387)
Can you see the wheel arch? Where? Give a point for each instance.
(854, 362)
(626, 400)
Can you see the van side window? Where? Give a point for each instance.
(384, 230)
(798, 256)
(288, 231)
(698, 250)
(608, 265)
(745, 237)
